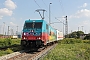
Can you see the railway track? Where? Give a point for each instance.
(32, 55)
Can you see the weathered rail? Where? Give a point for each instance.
(42, 53)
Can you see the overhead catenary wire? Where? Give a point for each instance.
(60, 3)
(59, 20)
(37, 3)
(39, 6)
(62, 8)
(47, 8)
(55, 17)
(51, 13)
(45, 4)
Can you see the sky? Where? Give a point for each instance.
(13, 13)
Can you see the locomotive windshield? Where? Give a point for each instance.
(33, 25)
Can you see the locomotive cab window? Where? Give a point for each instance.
(38, 25)
(33, 25)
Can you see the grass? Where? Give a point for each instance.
(9, 50)
(7, 43)
(76, 51)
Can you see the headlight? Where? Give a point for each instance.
(24, 33)
(25, 38)
(39, 38)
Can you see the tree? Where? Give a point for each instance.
(79, 33)
(76, 34)
(87, 37)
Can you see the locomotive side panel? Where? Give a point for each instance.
(52, 34)
(45, 35)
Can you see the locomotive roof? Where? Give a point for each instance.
(35, 21)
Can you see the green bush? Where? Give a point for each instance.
(9, 42)
(16, 41)
(13, 44)
(8, 51)
(70, 41)
(86, 41)
(5, 42)
(4, 52)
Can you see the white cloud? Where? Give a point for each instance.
(13, 18)
(12, 24)
(84, 5)
(81, 13)
(86, 22)
(10, 4)
(1, 17)
(5, 12)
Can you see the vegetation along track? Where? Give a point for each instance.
(13, 46)
(33, 55)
